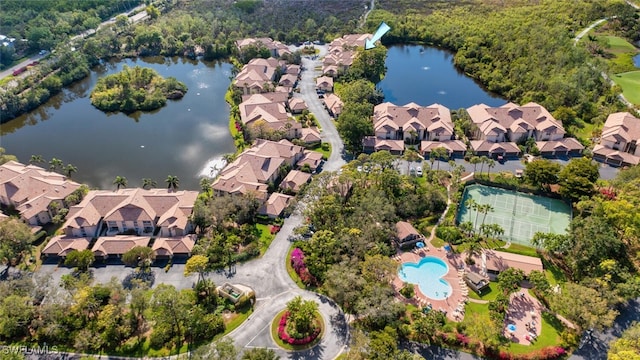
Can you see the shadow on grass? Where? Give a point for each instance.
(553, 321)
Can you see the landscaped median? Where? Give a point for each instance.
(298, 327)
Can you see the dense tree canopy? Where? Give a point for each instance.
(134, 89)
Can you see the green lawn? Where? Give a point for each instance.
(521, 249)
(618, 45)
(489, 294)
(265, 237)
(549, 336)
(630, 84)
(553, 273)
(325, 153)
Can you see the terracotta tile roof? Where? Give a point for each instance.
(324, 82)
(333, 103)
(276, 204)
(313, 158)
(330, 70)
(294, 180)
(494, 148)
(31, 188)
(433, 118)
(269, 108)
(310, 135)
(293, 69)
(297, 104)
(449, 145)
(288, 80)
(170, 246)
(500, 261)
(117, 245)
(133, 204)
(253, 168)
(617, 155)
(268, 43)
(62, 245)
(564, 144)
(528, 116)
(621, 126)
(350, 40)
(389, 145)
(257, 72)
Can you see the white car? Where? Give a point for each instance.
(419, 171)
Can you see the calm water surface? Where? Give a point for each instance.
(636, 60)
(183, 138)
(426, 76)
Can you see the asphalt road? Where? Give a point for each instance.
(307, 86)
(133, 19)
(267, 275)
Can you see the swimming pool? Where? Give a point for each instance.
(427, 274)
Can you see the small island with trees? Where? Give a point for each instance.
(134, 89)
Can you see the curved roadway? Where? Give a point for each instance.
(268, 275)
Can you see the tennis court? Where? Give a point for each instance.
(520, 215)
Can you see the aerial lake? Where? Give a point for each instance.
(426, 75)
(185, 138)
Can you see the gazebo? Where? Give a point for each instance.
(476, 281)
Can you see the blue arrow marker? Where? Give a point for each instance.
(382, 29)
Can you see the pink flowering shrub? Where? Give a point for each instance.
(284, 336)
(297, 262)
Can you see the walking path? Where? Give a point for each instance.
(604, 75)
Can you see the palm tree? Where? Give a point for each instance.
(205, 184)
(466, 227)
(36, 159)
(471, 204)
(475, 160)
(410, 156)
(440, 153)
(485, 208)
(490, 163)
(473, 247)
(483, 160)
(120, 181)
(55, 164)
(148, 183)
(172, 182)
(70, 169)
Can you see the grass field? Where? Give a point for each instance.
(630, 84)
(618, 45)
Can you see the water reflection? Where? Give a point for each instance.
(426, 75)
(179, 139)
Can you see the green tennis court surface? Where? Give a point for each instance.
(520, 215)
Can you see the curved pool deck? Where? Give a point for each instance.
(454, 262)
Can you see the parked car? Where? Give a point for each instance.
(419, 171)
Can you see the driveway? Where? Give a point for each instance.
(606, 172)
(307, 86)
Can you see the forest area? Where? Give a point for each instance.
(499, 44)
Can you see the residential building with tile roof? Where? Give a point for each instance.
(275, 205)
(295, 180)
(276, 48)
(32, 189)
(269, 109)
(135, 210)
(620, 140)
